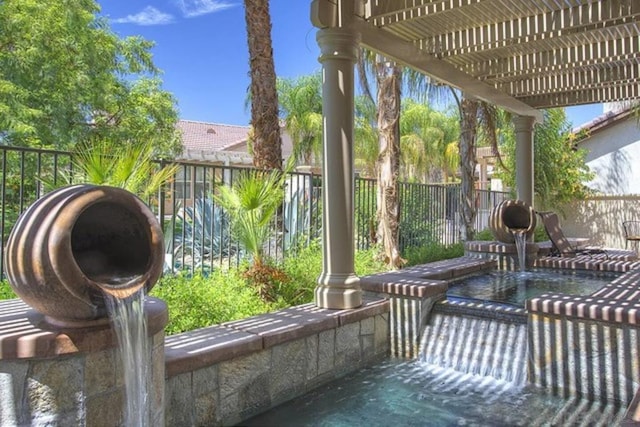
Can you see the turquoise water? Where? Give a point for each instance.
(513, 287)
(412, 393)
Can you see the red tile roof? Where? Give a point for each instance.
(210, 137)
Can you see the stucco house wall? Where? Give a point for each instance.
(613, 152)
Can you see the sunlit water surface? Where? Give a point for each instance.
(411, 393)
(514, 287)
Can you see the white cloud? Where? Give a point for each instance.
(193, 8)
(148, 16)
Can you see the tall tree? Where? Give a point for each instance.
(267, 146)
(65, 77)
(301, 109)
(366, 136)
(429, 140)
(389, 79)
(476, 118)
(559, 168)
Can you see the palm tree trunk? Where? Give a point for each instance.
(389, 83)
(267, 147)
(468, 126)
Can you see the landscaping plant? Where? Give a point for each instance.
(251, 203)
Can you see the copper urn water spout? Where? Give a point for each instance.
(77, 242)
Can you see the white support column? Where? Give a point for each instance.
(524, 157)
(338, 286)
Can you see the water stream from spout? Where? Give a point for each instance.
(520, 236)
(129, 323)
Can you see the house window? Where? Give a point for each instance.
(190, 181)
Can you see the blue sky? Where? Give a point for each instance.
(200, 45)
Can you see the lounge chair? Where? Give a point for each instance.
(560, 245)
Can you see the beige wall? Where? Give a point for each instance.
(600, 219)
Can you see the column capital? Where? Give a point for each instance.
(523, 123)
(338, 43)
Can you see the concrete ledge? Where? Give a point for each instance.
(397, 284)
(203, 347)
(586, 307)
(426, 280)
(498, 247)
(24, 333)
(192, 350)
(449, 268)
(615, 263)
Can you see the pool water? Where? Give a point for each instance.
(514, 287)
(412, 393)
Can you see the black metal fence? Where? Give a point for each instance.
(197, 232)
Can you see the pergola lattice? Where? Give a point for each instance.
(519, 54)
(522, 55)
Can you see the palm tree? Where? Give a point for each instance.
(428, 143)
(301, 109)
(366, 137)
(389, 80)
(389, 83)
(130, 166)
(251, 203)
(267, 146)
(473, 114)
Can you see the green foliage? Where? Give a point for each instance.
(300, 102)
(559, 169)
(303, 271)
(6, 292)
(484, 235)
(428, 142)
(127, 165)
(432, 252)
(539, 234)
(195, 302)
(251, 202)
(196, 233)
(65, 77)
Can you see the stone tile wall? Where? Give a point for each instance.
(231, 372)
(69, 377)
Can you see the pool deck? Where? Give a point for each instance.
(618, 302)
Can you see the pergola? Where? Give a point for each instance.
(521, 55)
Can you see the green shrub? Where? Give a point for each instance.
(304, 268)
(539, 235)
(485, 235)
(433, 252)
(5, 291)
(195, 302)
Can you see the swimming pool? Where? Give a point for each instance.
(412, 393)
(514, 287)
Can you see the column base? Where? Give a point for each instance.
(338, 292)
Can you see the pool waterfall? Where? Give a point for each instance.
(480, 346)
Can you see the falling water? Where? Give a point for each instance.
(520, 236)
(478, 346)
(130, 325)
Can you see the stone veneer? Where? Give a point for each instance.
(227, 373)
(57, 375)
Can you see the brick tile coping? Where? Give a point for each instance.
(616, 261)
(197, 349)
(424, 280)
(24, 333)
